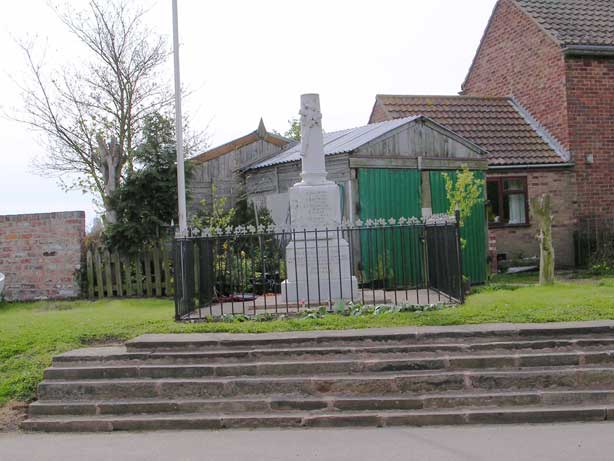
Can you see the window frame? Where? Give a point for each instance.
(503, 193)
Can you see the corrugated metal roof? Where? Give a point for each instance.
(338, 142)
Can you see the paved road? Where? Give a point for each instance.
(561, 442)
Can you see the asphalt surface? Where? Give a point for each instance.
(560, 442)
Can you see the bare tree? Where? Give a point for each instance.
(542, 212)
(91, 112)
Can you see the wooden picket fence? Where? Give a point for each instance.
(146, 274)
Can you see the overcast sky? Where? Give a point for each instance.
(250, 59)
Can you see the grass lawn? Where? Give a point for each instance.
(32, 333)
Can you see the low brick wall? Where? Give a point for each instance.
(40, 255)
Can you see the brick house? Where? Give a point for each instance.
(539, 98)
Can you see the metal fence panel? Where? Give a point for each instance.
(242, 272)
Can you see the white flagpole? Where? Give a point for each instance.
(183, 224)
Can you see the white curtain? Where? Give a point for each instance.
(517, 209)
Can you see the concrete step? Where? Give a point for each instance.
(358, 384)
(164, 421)
(119, 355)
(369, 337)
(330, 403)
(321, 367)
(380, 377)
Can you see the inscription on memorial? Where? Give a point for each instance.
(312, 207)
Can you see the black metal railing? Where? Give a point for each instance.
(594, 242)
(243, 270)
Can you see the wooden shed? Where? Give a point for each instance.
(384, 170)
(220, 168)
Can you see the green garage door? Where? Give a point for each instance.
(393, 259)
(474, 230)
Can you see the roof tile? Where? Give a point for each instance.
(574, 22)
(494, 124)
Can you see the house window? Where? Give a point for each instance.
(507, 201)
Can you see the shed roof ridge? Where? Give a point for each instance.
(236, 143)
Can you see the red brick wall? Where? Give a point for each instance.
(590, 101)
(518, 59)
(560, 184)
(40, 254)
(378, 114)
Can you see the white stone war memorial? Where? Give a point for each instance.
(317, 262)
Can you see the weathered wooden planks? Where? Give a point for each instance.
(112, 274)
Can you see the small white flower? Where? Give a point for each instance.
(392, 221)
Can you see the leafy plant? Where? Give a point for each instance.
(216, 216)
(601, 269)
(340, 307)
(311, 314)
(464, 192)
(146, 202)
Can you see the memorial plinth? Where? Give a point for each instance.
(318, 258)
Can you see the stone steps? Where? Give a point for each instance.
(321, 419)
(110, 356)
(370, 337)
(359, 384)
(366, 365)
(332, 403)
(412, 376)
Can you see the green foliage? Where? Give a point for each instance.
(217, 216)
(240, 254)
(147, 200)
(245, 215)
(601, 269)
(463, 193)
(294, 130)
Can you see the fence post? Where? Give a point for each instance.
(459, 256)
(205, 262)
(90, 274)
(118, 273)
(147, 262)
(166, 267)
(99, 279)
(126, 262)
(157, 272)
(139, 275)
